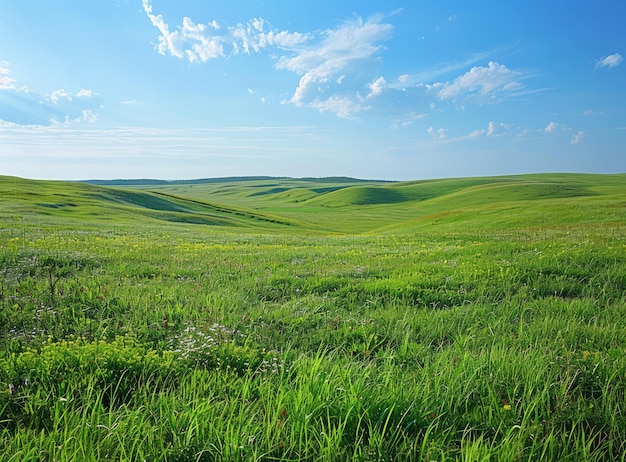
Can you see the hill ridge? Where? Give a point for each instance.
(227, 179)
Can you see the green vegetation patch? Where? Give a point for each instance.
(462, 319)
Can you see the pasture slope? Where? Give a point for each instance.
(258, 318)
(336, 205)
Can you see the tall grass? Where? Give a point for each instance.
(186, 343)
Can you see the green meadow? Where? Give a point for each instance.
(334, 319)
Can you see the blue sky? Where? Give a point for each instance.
(370, 89)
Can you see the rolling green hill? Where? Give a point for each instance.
(338, 205)
(68, 201)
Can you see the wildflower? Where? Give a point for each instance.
(506, 407)
(11, 388)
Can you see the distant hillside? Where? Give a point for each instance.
(486, 189)
(71, 201)
(321, 205)
(231, 179)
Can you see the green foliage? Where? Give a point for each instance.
(71, 371)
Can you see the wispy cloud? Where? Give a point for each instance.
(202, 42)
(23, 106)
(27, 107)
(439, 134)
(377, 87)
(483, 83)
(480, 84)
(191, 40)
(65, 142)
(551, 127)
(6, 82)
(428, 76)
(342, 106)
(341, 48)
(578, 138)
(610, 61)
(493, 129)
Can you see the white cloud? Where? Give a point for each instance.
(578, 138)
(610, 61)
(5, 81)
(343, 107)
(23, 106)
(202, 42)
(253, 38)
(377, 87)
(493, 129)
(407, 120)
(131, 102)
(60, 94)
(554, 127)
(88, 116)
(439, 134)
(485, 82)
(168, 42)
(339, 50)
(551, 127)
(422, 79)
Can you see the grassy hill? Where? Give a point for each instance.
(53, 201)
(357, 207)
(328, 205)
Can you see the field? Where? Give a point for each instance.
(472, 319)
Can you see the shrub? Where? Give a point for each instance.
(75, 371)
